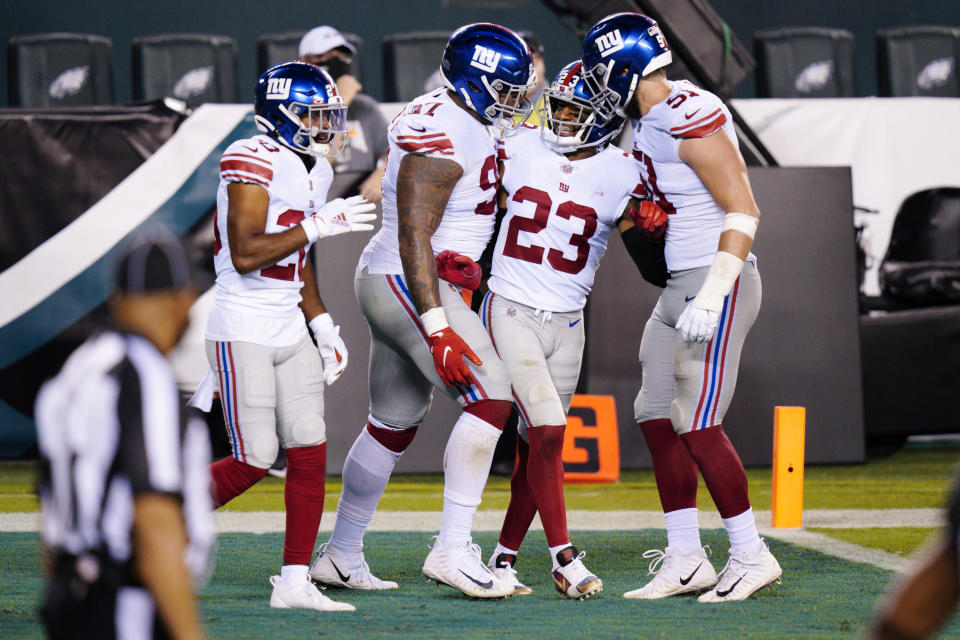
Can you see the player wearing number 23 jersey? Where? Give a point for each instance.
(563, 193)
(691, 166)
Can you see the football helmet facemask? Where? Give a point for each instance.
(568, 120)
(617, 52)
(491, 69)
(298, 104)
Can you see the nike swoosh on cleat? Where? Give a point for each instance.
(575, 321)
(345, 578)
(482, 585)
(685, 581)
(688, 299)
(724, 594)
(446, 349)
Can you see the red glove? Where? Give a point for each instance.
(650, 219)
(448, 351)
(459, 270)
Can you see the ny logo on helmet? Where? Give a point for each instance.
(278, 88)
(485, 59)
(610, 43)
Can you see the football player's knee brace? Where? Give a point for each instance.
(260, 445)
(644, 409)
(308, 430)
(493, 412)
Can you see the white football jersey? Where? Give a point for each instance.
(696, 220)
(433, 125)
(559, 216)
(262, 306)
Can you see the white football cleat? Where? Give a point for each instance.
(502, 566)
(463, 569)
(334, 568)
(744, 574)
(302, 594)
(571, 578)
(675, 573)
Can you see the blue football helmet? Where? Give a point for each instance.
(298, 104)
(491, 69)
(568, 120)
(617, 52)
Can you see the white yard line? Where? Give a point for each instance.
(579, 520)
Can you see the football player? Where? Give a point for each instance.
(439, 201)
(690, 351)
(270, 209)
(563, 193)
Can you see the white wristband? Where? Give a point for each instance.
(742, 222)
(434, 320)
(311, 229)
(321, 324)
(723, 274)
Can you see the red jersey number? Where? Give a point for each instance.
(288, 272)
(536, 224)
(488, 180)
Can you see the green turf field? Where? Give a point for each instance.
(821, 597)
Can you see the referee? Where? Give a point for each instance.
(127, 515)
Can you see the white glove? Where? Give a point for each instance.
(333, 352)
(339, 216)
(697, 324)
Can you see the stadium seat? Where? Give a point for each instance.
(59, 70)
(804, 62)
(408, 60)
(192, 67)
(918, 61)
(274, 48)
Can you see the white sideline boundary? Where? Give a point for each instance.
(580, 520)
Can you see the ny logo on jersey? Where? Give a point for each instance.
(278, 88)
(564, 187)
(485, 59)
(610, 43)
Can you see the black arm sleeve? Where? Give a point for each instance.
(647, 254)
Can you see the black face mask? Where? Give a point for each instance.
(336, 67)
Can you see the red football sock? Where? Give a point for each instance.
(493, 412)
(673, 468)
(303, 494)
(522, 507)
(545, 468)
(396, 440)
(721, 469)
(231, 478)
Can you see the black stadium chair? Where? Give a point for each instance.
(192, 67)
(59, 70)
(274, 48)
(804, 62)
(918, 61)
(408, 60)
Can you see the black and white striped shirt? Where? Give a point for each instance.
(110, 428)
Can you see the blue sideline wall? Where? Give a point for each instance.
(244, 20)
